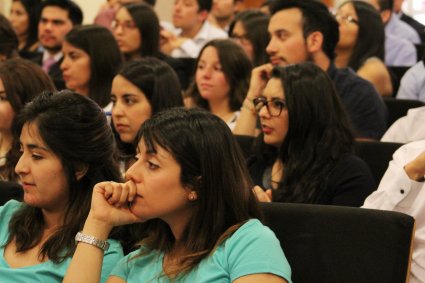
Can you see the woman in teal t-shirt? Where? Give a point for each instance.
(190, 187)
(66, 146)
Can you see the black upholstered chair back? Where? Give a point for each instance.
(398, 108)
(246, 144)
(377, 155)
(342, 244)
(397, 72)
(10, 190)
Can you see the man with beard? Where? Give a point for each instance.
(223, 12)
(305, 30)
(58, 17)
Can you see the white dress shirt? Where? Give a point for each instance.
(397, 192)
(191, 47)
(408, 128)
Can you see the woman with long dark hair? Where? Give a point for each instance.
(249, 30)
(221, 80)
(361, 44)
(141, 89)
(24, 17)
(20, 82)
(304, 153)
(137, 30)
(66, 148)
(191, 188)
(91, 61)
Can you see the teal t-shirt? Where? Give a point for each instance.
(46, 272)
(252, 249)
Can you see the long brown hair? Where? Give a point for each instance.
(213, 166)
(75, 128)
(23, 80)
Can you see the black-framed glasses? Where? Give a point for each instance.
(274, 106)
(125, 25)
(348, 19)
(242, 39)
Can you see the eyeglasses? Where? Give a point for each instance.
(274, 106)
(124, 25)
(348, 19)
(242, 39)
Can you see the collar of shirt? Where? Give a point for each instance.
(392, 23)
(203, 33)
(57, 56)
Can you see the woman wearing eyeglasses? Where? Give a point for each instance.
(255, 41)
(304, 153)
(137, 31)
(361, 44)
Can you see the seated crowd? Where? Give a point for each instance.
(120, 152)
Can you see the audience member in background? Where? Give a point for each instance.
(66, 147)
(20, 82)
(8, 40)
(106, 14)
(137, 31)
(265, 6)
(249, 30)
(190, 186)
(412, 84)
(408, 128)
(221, 80)
(305, 154)
(399, 51)
(393, 25)
(222, 13)
(402, 189)
(361, 44)
(194, 31)
(91, 59)
(141, 89)
(24, 17)
(417, 26)
(305, 30)
(57, 18)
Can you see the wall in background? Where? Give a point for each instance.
(90, 8)
(416, 8)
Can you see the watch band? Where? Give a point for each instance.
(91, 240)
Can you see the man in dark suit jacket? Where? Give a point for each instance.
(58, 17)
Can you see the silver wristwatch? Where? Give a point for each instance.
(80, 237)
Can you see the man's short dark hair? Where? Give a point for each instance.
(386, 5)
(205, 5)
(150, 2)
(74, 11)
(316, 17)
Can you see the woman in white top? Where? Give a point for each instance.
(221, 80)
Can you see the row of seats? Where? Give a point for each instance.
(398, 108)
(336, 244)
(377, 155)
